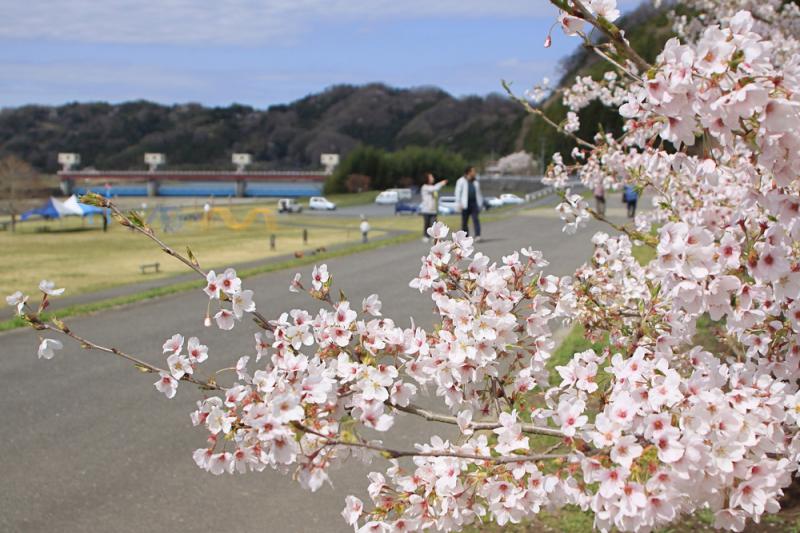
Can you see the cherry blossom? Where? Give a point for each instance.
(173, 345)
(49, 288)
(17, 300)
(167, 385)
(48, 347)
(319, 277)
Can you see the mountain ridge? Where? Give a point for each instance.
(338, 119)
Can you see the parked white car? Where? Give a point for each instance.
(392, 196)
(403, 194)
(387, 198)
(492, 201)
(511, 199)
(289, 205)
(321, 203)
(447, 205)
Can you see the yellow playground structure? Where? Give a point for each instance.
(225, 214)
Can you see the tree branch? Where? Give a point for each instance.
(125, 220)
(609, 30)
(396, 454)
(142, 365)
(536, 111)
(447, 419)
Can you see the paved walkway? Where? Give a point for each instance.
(88, 445)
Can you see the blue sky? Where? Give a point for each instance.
(263, 52)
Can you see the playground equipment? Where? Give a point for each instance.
(225, 214)
(171, 218)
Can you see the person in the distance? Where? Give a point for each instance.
(430, 203)
(469, 200)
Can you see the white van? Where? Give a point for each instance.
(403, 194)
(321, 203)
(387, 197)
(447, 205)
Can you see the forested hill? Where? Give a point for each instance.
(286, 136)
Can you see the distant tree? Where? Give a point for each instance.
(358, 183)
(405, 167)
(516, 163)
(18, 180)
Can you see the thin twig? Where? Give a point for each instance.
(144, 365)
(150, 234)
(596, 49)
(396, 454)
(536, 111)
(611, 31)
(446, 419)
(633, 234)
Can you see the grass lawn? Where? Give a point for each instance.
(84, 259)
(79, 256)
(348, 199)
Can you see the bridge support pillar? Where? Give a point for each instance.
(152, 188)
(240, 186)
(66, 187)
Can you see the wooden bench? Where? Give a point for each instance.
(150, 266)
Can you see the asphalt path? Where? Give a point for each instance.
(89, 445)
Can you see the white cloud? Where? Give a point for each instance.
(237, 22)
(83, 75)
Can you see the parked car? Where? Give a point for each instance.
(289, 205)
(447, 205)
(387, 197)
(405, 208)
(321, 203)
(511, 199)
(492, 201)
(403, 194)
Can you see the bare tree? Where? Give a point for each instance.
(18, 181)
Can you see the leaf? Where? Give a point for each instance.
(192, 258)
(121, 219)
(94, 199)
(136, 219)
(142, 368)
(348, 437)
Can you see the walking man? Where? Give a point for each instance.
(630, 197)
(430, 205)
(469, 200)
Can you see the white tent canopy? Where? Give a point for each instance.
(71, 206)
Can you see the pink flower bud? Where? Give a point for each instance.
(548, 41)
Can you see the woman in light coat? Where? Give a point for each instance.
(429, 207)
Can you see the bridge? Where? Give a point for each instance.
(193, 183)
